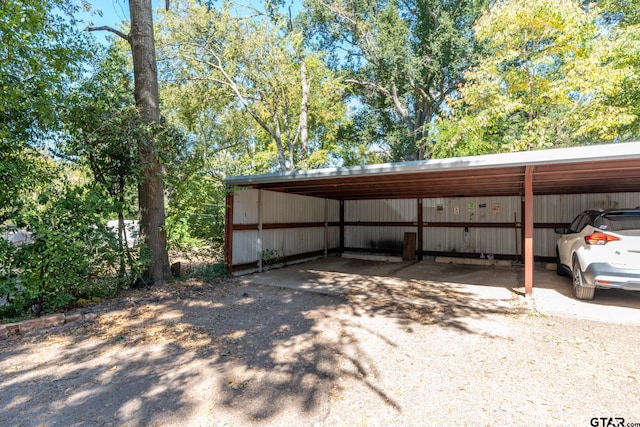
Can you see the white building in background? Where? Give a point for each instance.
(17, 236)
(131, 230)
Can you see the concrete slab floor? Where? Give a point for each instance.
(466, 289)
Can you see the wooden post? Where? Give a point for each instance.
(409, 247)
(528, 230)
(228, 231)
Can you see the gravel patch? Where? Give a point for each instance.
(232, 353)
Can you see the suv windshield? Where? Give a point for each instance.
(619, 222)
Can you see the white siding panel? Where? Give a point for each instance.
(244, 246)
(471, 209)
(289, 208)
(245, 207)
(544, 242)
(333, 210)
(398, 210)
(565, 207)
(292, 241)
(282, 208)
(376, 237)
(477, 240)
(333, 240)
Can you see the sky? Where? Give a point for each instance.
(113, 13)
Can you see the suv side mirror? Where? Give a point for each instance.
(562, 230)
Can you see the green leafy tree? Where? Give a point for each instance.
(403, 59)
(141, 40)
(257, 65)
(71, 257)
(547, 81)
(103, 128)
(41, 52)
(621, 19)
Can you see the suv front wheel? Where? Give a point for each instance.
(579, 290)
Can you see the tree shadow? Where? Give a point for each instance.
(225, 352)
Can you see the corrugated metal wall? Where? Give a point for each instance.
(245, 207)
(565, 207)
(254, 207)
(245, 246)
(469, 210)
(378, 237)
(394, 210)
(439, 217)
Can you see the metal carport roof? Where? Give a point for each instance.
(603, 168)
(585, 169)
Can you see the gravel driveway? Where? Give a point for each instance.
(395, 352)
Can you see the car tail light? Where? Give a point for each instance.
(599, 238)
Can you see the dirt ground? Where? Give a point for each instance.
(388, 350)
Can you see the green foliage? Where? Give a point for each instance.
(237, 81)
(41, 53)
(549, 80)
(72, 255)
(209, 271)
(270, 257)
(402, 59)
(622, 19)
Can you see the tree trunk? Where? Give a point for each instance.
(277, 136)
(304, 105)
(151, 186)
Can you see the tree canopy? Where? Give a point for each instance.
(551, 78)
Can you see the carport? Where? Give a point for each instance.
(308, 207)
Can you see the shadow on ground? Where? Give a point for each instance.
(229, 352)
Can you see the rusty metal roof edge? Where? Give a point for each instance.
(587, 153)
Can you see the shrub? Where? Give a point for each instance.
(72, 256)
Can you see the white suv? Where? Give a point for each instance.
(601, 249)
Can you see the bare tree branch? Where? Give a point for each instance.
(111, 30)
(370, 85)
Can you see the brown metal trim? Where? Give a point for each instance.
(228, 231)
(274, 226)
(246, 266)
(381, 224)
(472, 224)
(540, 225)
(282, 225)
(245, 227)
(356, 182)
(520, 248)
